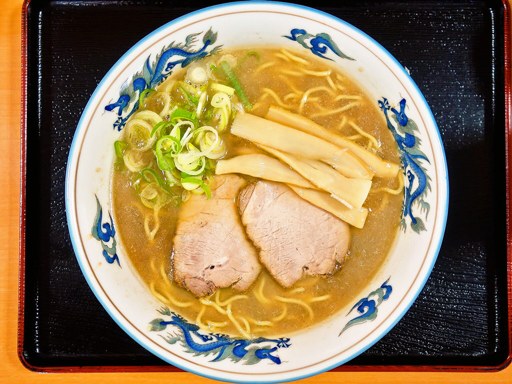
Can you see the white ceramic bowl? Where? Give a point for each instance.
(387, 296)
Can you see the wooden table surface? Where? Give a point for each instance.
(11, 369)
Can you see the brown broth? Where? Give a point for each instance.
(369, 245)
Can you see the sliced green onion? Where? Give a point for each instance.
(220, 99)
(188, 98)
(200, 104)
(187, 136)
(166, 103)
(235, 83)
(159, 127)
(145, 93)
(150, 196)
(150, 175)
(224, 115)
(190, 92)
(134, 160)
(119, 147)
(170, 144)
(197, 75)
(210, 166)
(165, 148)
(208, 115)
(218, 87)
(185, 195)
(176, 131)
(248, 55)
(149, 192)
(194, 168)
(165, 163)
(191, 162)
(213, 150)
(193, 183)
(181, 113)
(138, 134)
(210, 143)
(206, 190)
(173, 154)
(214, 71)
(171, 178)
(254, 54)
(149, 116)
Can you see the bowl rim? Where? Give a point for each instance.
(438, 238)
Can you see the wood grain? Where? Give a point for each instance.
(12, 370)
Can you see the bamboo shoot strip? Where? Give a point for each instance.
(382, 168)
(301, 144)
(264, 167)
(351, 192)
(355, 217)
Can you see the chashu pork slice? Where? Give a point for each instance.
(295, 238)
(211, 249)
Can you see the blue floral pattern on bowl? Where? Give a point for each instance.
(105, 233)
(318, 44)
(248, 351)
(418, 181)
(154, 72)
(368, 306)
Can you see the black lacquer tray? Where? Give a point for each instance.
(455, 51)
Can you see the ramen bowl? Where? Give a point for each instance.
(386, 295)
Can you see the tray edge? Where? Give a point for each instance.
(25, 360)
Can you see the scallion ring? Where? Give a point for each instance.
(138, 134)
(220, 99)
(134, 160)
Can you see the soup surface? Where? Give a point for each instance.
(312, 88)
